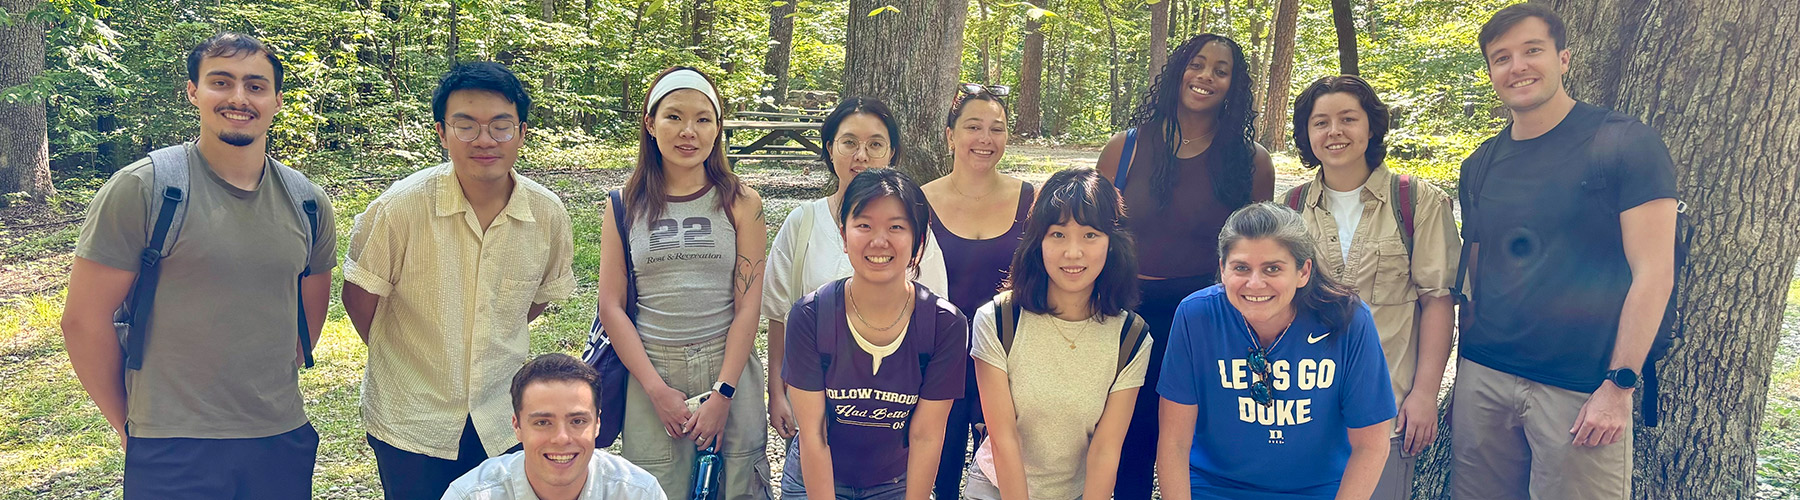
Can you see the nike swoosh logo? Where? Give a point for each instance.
(1314, 340)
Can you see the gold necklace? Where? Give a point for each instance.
(859, 316)
(1063, 331)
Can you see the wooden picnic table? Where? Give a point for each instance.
(776, 132)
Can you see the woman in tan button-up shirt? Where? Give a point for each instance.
(1354, 210)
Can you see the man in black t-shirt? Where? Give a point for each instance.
(1577, 206)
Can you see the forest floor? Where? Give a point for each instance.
(54, 444)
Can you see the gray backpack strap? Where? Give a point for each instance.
(170, 166)
(306, 206)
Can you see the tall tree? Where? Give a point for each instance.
(1716, 79)
(455, 43)
(1116, 113)
(1281, 65)
(781, 49)
(24, 125)
(898, 54)
(1738, 167)
(1345, 24)
(1159, 36)
(1031, 75)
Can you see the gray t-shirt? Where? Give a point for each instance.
(219, 359)
(685, 261)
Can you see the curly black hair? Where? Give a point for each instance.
(1236, 127)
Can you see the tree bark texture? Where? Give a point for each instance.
(1159, 37)
(1281, 65)
(910, 60)
(1343, 20)
(1031, 79)
(700, 27)
(1717, 80)
(24, 126)
(1116, 113)
(455, 43)
(781, 49)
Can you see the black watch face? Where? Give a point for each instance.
(727, 390)
(1624, 378)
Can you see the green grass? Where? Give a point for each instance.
(42, 245)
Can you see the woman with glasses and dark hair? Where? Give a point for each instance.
(860, 134)
(1392, 238)
(980, 214)
(699, 289)
(1274, 386)
(1188, 161)
(1060, 356)
(873, 360)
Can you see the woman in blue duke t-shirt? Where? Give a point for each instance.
(1277, 371)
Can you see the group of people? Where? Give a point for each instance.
(1246, 348)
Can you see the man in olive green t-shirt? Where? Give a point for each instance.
(215, 410)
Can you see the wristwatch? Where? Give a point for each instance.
(1625, 378)
(727, 390)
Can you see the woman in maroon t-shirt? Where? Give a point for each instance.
(874, 360)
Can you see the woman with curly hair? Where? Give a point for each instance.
(1192, 134)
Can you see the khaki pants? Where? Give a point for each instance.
(692, 369)
(1397, 476)
(1510, 440)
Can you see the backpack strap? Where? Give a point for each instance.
(1297, 195)
(1008, 320)
(1479, 163)
(1125, 158)
(1131, 339)
(623, 221)
(306, 206)
(803, 240)
(1401, 199)
(828, 306)
(169, 170)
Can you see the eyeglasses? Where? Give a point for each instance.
(1260, 390)
(993, 90)
(499, 130)
(875, 149)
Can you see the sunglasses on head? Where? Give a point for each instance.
(1260, 390)
(993, 90)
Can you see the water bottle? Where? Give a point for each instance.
(709, 470)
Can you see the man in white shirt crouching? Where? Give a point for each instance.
(555, 417)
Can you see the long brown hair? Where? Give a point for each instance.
(644, 193)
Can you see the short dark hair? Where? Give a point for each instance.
(1372, 106)
(229, 45)
(873, 107)
(554, 367)
(877, 183)
(1083, 195)
(1512, 15)
(1333, 302)
(962, 101)
(480, 75)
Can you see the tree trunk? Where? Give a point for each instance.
(1281, 64)
(900, 58)
(455, 43)
(989, 71)
(781, 49)
(1115, 113)
(1159, 36)
(700, 28)
(548, 8)
(1738, 161)
(1258, 55)
(1342, 19)
(1031, 79)
(24, 126)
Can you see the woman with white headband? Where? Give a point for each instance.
(698, 291)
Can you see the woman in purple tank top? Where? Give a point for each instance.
(980, 215)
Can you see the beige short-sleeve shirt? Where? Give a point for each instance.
(450, 330)
(1058, 392)
(220, 355)
(1378, 266)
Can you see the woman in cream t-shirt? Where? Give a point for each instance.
(1059, 391)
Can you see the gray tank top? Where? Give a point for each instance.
(684, 262)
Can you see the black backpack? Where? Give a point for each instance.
(600, 353)
(1671, 329)
(1131, 334)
